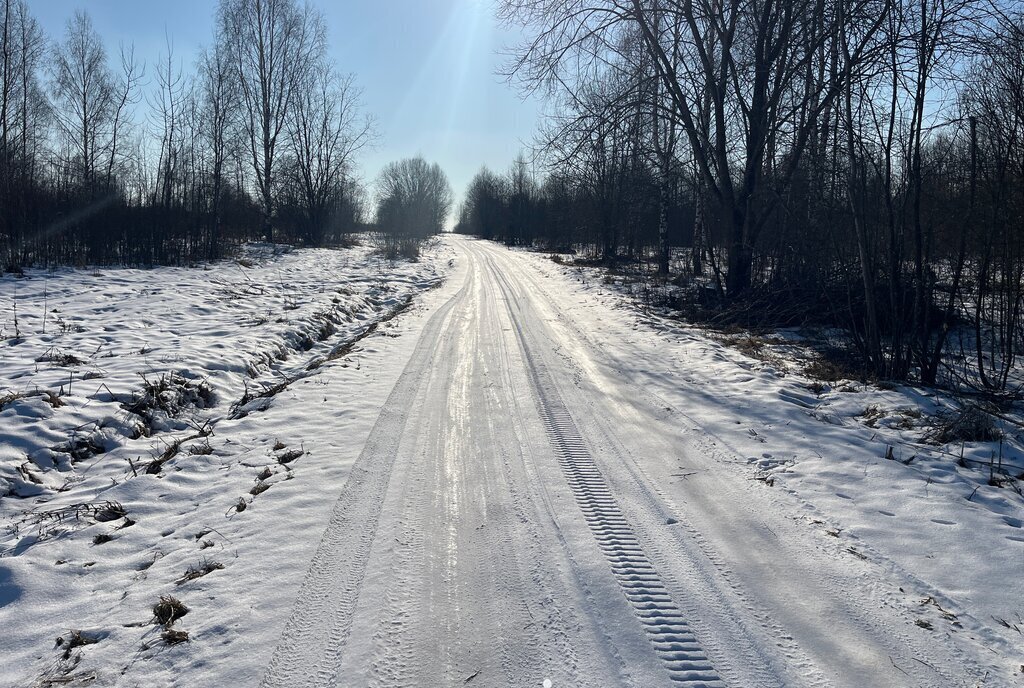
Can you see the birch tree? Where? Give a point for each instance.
(325, 131)
(274, 44)
(84, 92)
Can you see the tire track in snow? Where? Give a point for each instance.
(306, 655)
(491, 614)
(664, 624)
(794, 663)
(711, 598)
(521, 572)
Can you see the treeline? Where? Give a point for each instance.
(254, 140)
(853, 161)
(614, 213)
(413, 201)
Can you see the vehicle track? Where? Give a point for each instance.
(664, 624)
(509, 520)
(722, 598)
(310, 649)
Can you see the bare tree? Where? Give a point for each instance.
(273, 43)
(414, 199)
(757, 76)
(325, 131)
(166, 108)
(994, 100)
(483, 210)
(85, 94)
(34, 108)
(22, 106)
(7, 81)
(219, 98)
(126, 95)
(522, 200)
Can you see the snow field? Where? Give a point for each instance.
(240, 497)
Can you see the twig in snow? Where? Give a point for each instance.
(897, 667)
(923, 662)
(46, 281)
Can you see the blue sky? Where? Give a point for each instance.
(427, 69)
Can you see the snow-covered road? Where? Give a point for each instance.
(527, 509)
(484, 468)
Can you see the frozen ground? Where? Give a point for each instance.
(519, 478)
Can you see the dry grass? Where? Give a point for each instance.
(201, 449)
(909, 418)
(249, 395)
(10, 398)
(289, 456)
(170, 393)
(49, 521)
(970, 424)
(174, 636)
(749, 345)
(59, 358)
(817, 388)
(871, 415)
(81, 447)
(345, 348)
(199, 570)
(50, 398)
(169, 609)
(76, 639)
(66, 327)
(393, 248)
(829, 371)
(259, 488)
(172, 448)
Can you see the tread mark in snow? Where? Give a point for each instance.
(311, 647)
(664, 624)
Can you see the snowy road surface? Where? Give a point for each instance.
(527, 510)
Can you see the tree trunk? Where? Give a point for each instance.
(699, 229)
(663, 243)
(741, 257)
